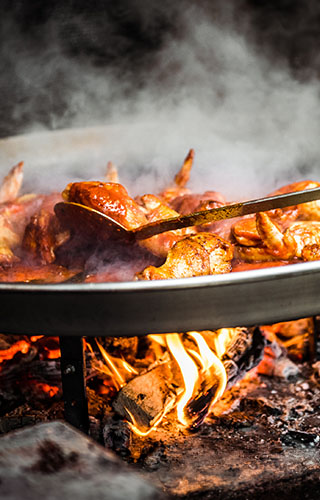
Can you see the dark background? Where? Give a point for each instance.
(125, 36)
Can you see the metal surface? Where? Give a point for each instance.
(137, 308)
(73, 382)
(71, 213)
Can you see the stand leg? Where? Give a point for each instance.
(73, 382)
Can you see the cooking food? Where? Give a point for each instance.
(38, 246)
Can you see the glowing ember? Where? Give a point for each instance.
(20, 346)
(50, 390)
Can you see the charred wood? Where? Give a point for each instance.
(145, 398)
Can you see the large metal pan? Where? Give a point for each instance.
(137, 308)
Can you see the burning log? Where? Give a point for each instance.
(145, 397)
(148, 397)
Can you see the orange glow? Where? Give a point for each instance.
(189, 372)
(53, 353)
(115, 366)
(51, 390)
(221, 340)
(34, 338)
(212, 365)
(203, 374)
(140, 432)
(160, 339)
(118, 379)
(20, 346)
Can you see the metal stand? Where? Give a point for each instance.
(73, 382)
(316, 339)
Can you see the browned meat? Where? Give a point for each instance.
(196, 255)
(11, 184)
(189, 203)
(43, 236)
(180, 180)
(109, 198)
(50, 273)
(155, 210)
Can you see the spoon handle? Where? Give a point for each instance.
(227, 212)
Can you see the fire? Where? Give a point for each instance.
(211, 363)
(204, 377)
(20, 346)
(114, 365)
(140, 432)
(189, 372)
(199, 381)
(222, 339)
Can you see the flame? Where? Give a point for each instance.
(203, 386)
(189, 372)
(211, 363)
(118, 379)
(160, 339)
(203, 374)
(134, 427)
(221, 340)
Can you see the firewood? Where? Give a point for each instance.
(146, 396)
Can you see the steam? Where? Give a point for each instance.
(253, 125)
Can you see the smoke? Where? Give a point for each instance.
(164, 78)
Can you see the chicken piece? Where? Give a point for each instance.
(109, 198)
(49, 273)
(11, 184)
(183, 175)
(245, 230)
(13, 218)
(112, 173)
(155, 210)
(196, 255)
(8, 241)
(311, 252)
(246, 233)
(188, 203)
(43, 235)
(253, 254)
(181, 179)
(301, 240)
(305, 211)
(114, 201)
